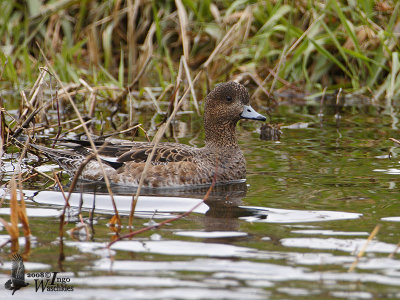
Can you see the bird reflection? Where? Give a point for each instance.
(224, 202)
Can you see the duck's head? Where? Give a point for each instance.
(229, 102)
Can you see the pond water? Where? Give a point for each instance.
(291, 231)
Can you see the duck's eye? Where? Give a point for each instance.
(229, 98)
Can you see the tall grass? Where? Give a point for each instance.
(313, 45)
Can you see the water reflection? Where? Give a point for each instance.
(218, 192)
(222, 211)
(324, 170)
(225, 205)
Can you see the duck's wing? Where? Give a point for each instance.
(117, 152)
(164, 153)
(17, 269)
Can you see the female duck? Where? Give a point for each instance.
(173, 164)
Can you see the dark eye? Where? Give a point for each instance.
(229, 98)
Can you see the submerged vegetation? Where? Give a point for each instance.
(298, 45)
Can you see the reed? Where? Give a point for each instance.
(316, 44)
(17, 213)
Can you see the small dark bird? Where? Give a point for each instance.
(17, 280)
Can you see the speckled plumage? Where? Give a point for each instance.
(173, 164)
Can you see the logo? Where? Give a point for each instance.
(17, 280)
(50, 282)
(44, 281)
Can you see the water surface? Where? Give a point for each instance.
(292, 230)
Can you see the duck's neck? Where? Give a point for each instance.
(220, 135)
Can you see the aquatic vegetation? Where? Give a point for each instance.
(278, 44)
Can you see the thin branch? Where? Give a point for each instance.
(362, 251)
(395, 141)
(107, 181)
(155, 142)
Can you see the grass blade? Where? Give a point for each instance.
(183, 21)
(393, 74)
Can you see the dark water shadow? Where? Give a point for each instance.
(224, 202)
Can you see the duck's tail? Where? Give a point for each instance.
(69, 160)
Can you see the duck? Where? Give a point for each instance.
(173, 164)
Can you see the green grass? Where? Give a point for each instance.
(316, 44)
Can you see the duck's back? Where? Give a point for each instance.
(178, 165)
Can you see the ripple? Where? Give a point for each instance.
(34, 212)
(331, 232)
(391, 171)
(275, 215)
(346, 245)
(147, 206)
(211, 234)
(391, 219)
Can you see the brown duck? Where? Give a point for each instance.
(173, 164)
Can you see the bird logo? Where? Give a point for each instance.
(17, 280)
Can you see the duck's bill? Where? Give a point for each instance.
(250, 113)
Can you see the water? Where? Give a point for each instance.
(291, 231)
